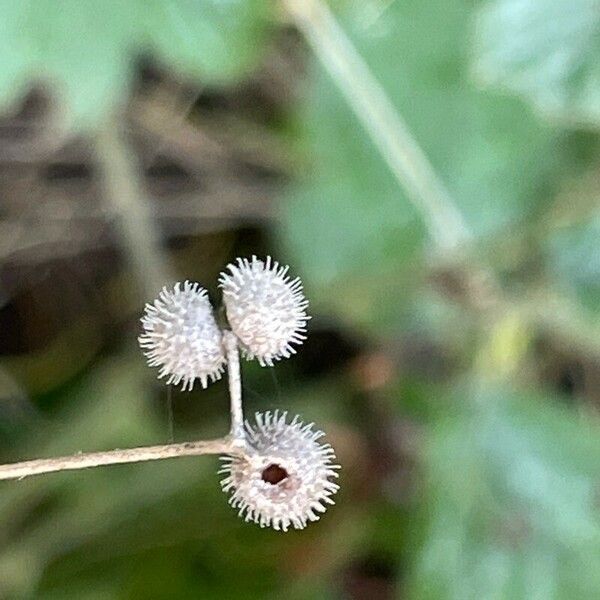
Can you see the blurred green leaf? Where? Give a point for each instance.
(512, 503)
(86, 48)
(546, 50)
(575, 259)
(351, 227)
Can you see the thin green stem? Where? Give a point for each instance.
(413, 171)
(365, 95)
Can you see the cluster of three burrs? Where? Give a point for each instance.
(281, 475)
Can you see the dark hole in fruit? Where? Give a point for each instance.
(274, 474)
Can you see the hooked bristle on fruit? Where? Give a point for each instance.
(284, 477)
(181, 336)
(266, 309)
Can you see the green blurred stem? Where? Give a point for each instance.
(385, 126)
(128, 203)
(414, 172)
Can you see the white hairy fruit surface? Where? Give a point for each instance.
(266, 309)
(284, 478)
(181, 336)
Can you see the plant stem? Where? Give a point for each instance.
(235, 387)
(385, 126)
(234, 443)
(413, 171)
(87, 460)
(127, 202)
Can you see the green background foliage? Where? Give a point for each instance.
(86, 48)
(546, 50)
(496, 493)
